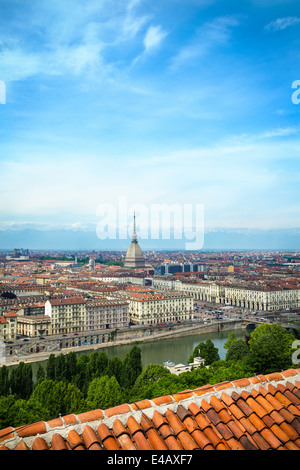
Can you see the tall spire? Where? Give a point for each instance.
(134, 235)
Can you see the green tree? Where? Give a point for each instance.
(83, 374)
(60, 368)
(27, 412)
(58, 398)
(50, 367)
(145, 382)
(103, 393)
(220, 371)
(99, 363)
(271, 348)
(73, 399)
(132, 367)
(207, 351)
(7, 411)
(114, 368)
(4, 381)
(71, 366)
(48, 395)
(237, 350)
(40, 373)
(230, 339)
(21, 383)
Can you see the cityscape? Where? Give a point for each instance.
(149, 227)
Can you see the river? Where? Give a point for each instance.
(177, 349)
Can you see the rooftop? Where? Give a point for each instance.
(257, 413)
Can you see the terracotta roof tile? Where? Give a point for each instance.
(261, 412)
(21, 446)
(6, 433)
(39, 444)
(31, 429)
(75, 441)
(58, 443)
(107, 438)
(90, 438)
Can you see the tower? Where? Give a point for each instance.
(134, 257)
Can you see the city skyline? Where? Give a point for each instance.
(177, 102)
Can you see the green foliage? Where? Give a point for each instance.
(58, 398)
(270, 348)
(104, 392)
(21, 383)
(4, 381)
(132, 367)
(237, 350)
(207, 351)
(115, 368)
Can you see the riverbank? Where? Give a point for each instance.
(133, 336)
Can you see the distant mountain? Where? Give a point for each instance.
(215, 239)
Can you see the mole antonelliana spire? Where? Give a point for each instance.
(134, 257)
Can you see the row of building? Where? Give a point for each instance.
(130, 304)
(262, 296)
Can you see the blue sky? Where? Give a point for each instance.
(169, 101)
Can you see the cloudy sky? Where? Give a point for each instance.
(168, 101)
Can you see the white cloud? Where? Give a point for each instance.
(154, 36)
(210, 35)
(282, 23)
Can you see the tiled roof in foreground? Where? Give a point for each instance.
(258, 413)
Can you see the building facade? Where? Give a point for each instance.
(8, 326)
(34, 326)
(104, 314)
(147, 308)
(67, 315)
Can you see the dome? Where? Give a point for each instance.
(134, 256)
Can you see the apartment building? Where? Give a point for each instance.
(261, 297)
(67, 315)
(104, 313)
(34, 326)
(8, 326)
(150, 308)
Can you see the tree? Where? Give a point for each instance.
(40, 374)
(270, 348)
(99, 363)
(132, 367)
(230, 339)
(237, 350)
(71, 366)
(83, 374)
(103, 393)
(73, 399)
(50, 368)
(7, 411)
(220, 371)
(4, 380)
(21, 383)
(60, 368)
(49, 396)
(58, 398)
(114, 368)
(28, 411)
(207, 351)
(266, 355)
(146, 381)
